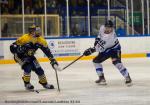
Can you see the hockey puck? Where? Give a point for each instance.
(36, 91)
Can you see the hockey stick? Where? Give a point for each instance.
(36, 91)
(72, 62)
(55, 68)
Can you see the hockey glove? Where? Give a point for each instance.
(89, 51)
(53, 63)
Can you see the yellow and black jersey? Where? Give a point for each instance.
(35, 43)
(26, 38)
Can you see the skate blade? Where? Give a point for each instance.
(129, 84)
(102, 83)
(32, 90)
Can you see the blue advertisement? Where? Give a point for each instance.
(65, 47)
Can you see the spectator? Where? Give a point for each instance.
(27, 10)
(92, 3)
(62, 3)
(4, 9)
(52, 6)
(37, 9)
(5, 30)
(121, 31)
(146, 29)
(82, 2)
(95, 30)
(75, 29)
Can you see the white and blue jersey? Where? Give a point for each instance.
(106, 42)
(108, 47)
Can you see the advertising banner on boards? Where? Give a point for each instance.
(66, 47)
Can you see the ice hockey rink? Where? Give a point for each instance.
(77, 85)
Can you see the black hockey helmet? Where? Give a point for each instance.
(32, 29)
(109, 23)
(36, 30)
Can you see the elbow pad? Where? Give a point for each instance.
(13, 48)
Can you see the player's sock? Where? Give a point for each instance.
(122, 69)
(99, 69)
(27, 84)
(43, 82)
(124, 72)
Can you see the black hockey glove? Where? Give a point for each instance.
(53, 63)
(89, 51)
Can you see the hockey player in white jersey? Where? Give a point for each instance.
(108, 46)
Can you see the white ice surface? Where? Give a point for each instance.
(77, 84)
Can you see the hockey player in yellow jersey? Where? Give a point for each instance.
(24, 49)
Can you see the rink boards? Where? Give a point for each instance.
(66, 49)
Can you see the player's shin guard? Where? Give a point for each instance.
(124, 72)
(122, 69)
(99, 70)
(27, 84)
(43, 82)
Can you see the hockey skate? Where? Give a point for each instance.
(47, 86)
(101, 80)
(128, 81)
(29, 86)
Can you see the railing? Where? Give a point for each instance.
(12, 25)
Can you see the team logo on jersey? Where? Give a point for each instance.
(31, 52)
